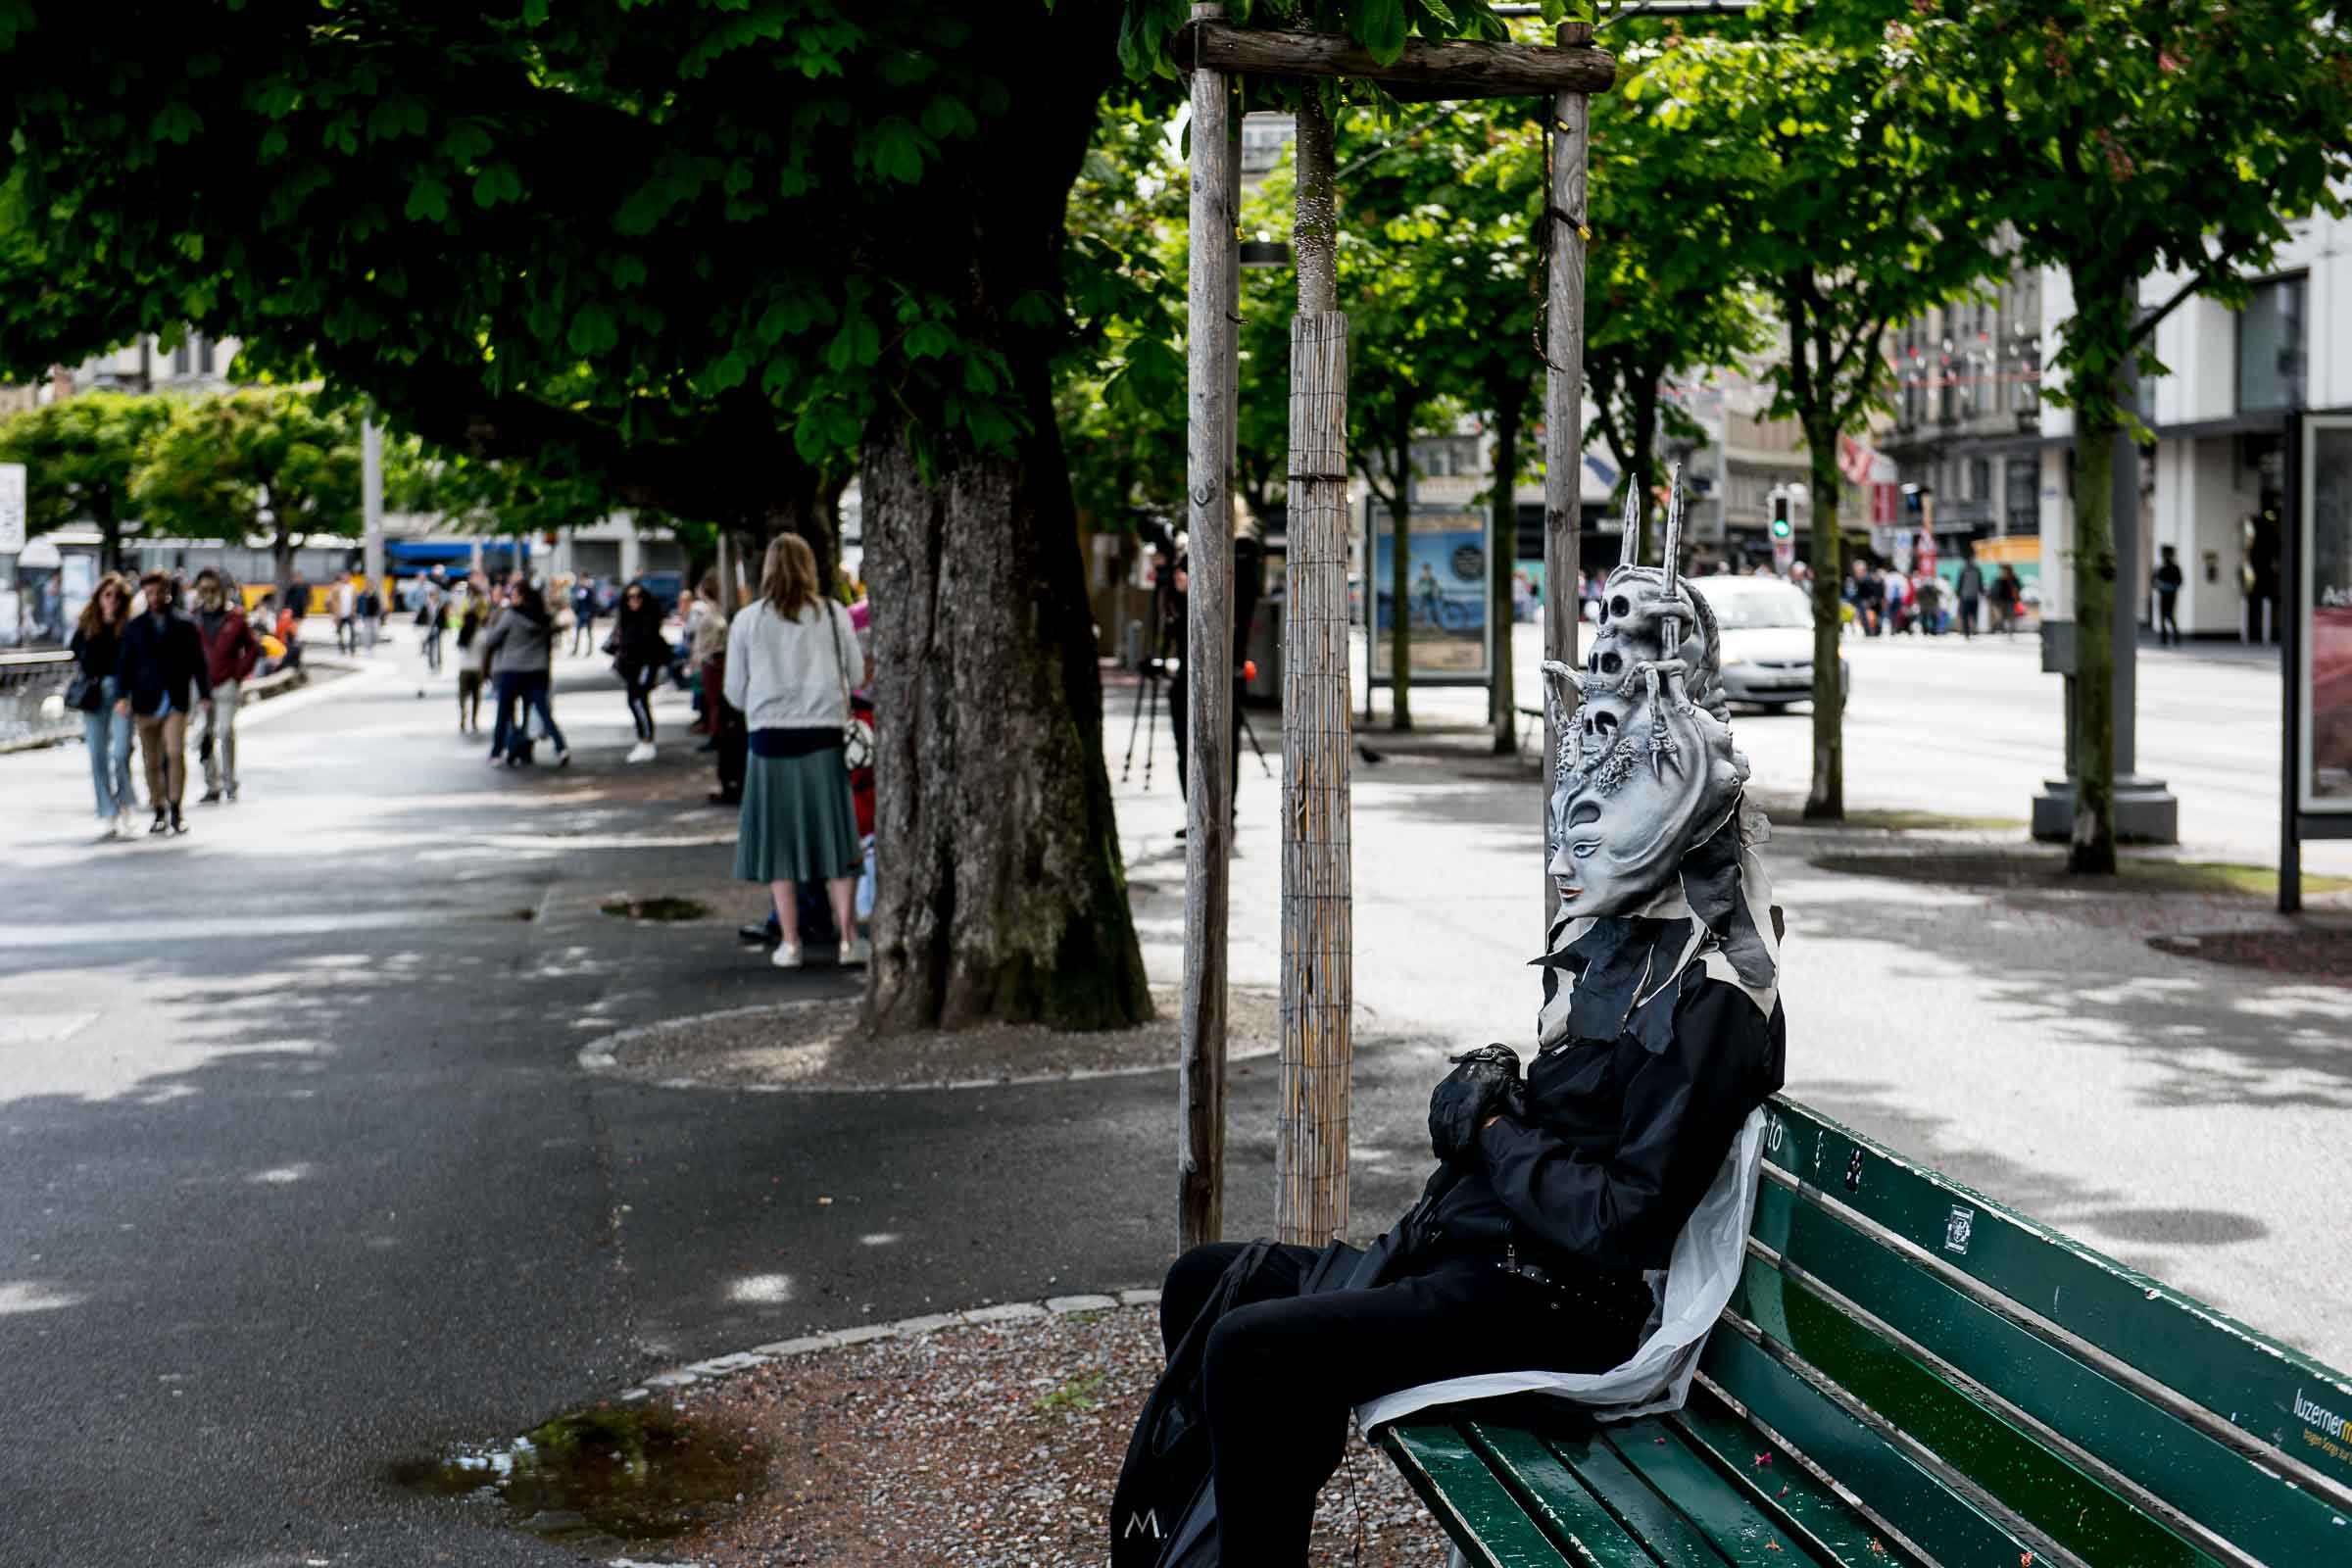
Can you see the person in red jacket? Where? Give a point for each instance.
(230, 651)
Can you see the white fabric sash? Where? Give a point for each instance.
(1705, 1265)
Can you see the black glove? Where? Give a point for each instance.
(1483, 1083)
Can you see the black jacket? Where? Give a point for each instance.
(1620, 1138)
(637, 640)
(162, 659)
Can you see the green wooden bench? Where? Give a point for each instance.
(1911, 1374)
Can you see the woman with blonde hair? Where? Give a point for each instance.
(788, 662)
(97, 650)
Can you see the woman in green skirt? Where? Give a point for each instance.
(789, 657)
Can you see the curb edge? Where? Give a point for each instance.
(712, 1368)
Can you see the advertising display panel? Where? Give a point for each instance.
(2323, 610)
(1444, 600)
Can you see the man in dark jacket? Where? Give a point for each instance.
(1559, 1193)
(230, 651)
(161, 674)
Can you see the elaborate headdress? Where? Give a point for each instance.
(1644, 815)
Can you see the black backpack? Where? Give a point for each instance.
(1163, 1513)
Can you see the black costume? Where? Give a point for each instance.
(1533, 1257)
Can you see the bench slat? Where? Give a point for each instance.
(2245, 1503)
(1571, 1515)
(2248, 1379)
(1654, 1521)
(1898, 1486)
(1979, 1442)
(1474, 1506)
(1828, 1524)
(1729, 1519)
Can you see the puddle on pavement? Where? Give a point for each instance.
(613, 1472)
(661, 909)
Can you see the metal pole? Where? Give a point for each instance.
(1563, 395)
(2290, 659)
(2130, 574)
(1208, 663)
(371, 501)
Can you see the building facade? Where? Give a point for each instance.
(2212, 484)
(1966, 435)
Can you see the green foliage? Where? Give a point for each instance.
(79, 453)
(1120, 392)
(2119, 138)
(617, 234)
(1668, 271)
(1832, 192)
(263, 464)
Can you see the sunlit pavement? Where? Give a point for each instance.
(299, 1173)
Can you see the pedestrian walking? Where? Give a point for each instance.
(371, 607)
(583, 614)
(1927, 591)
(472, 648)
(2005, 593)
(1897, 591)
(2167, 583)
(789, 657)
(728, 738)
(1970, 588)
(105, 729)
(432, 613)
(347, 614)
(230, 652)
(521, 646)
(640, 653)
(159, 676)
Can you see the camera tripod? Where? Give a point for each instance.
(1145, 717)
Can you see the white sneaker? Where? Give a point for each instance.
(856, 951)
(124, 827)
(786, 956)
(642, 751)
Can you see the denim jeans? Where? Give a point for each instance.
(521, 694)
(219, 738)
(107, 734)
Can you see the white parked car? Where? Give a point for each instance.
(1767, 628)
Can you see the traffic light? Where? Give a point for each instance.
(1779, 516)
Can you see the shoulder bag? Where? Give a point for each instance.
(856, 735)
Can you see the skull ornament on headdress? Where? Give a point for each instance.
(1646, 772)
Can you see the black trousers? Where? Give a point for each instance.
(1284, 1370)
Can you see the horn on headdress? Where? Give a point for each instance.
(1629, 549)
(1674, 524)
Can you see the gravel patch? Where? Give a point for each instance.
(988, 1445)
(820, 1045)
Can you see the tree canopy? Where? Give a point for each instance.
(2118, 139)
(1837, 199)
(79, 455)
(260, 463)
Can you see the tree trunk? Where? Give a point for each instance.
(2092, 846)
(1401, 588)
(281, 558)
(800, 503)
(1000, 891)
(109, 544)
(1644, 470)
(1502, 559)
(1825, 802)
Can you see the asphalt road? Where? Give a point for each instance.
(299, 1173)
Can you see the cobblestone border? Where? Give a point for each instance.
(601, 1055)
(712, 1368)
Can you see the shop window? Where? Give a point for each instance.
(2271, 333)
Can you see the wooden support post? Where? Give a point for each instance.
(1318, 962)
(1208, 663)
(1563, 400)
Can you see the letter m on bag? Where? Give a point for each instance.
(1138, 1523)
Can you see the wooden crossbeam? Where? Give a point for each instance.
(1429, 69)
